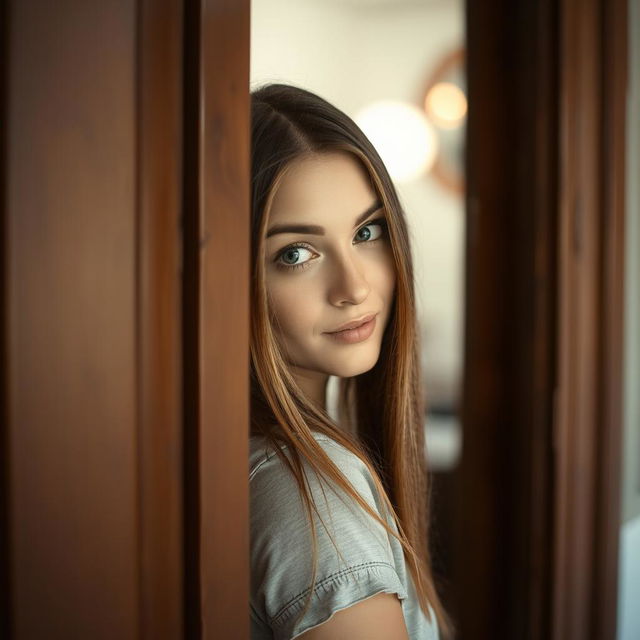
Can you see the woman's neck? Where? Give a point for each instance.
(313, 385)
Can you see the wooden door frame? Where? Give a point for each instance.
(535, 545)
(501, 570)
(115, 350)
(90, 298)
(588, 425)
(99, 224)
(216, 317)
(159, 295)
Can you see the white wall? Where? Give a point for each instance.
(629, 581)
(629, 564)
(353, 53)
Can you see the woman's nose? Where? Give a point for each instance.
(349, 284)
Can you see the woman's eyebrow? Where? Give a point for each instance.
(316, 230)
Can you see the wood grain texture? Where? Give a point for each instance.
(502, 532)
(71, 325)
(159, 275)
(217, 316)
(590, 268)
(610, 454)
(92, 486)
(539, 478)
(224, 246)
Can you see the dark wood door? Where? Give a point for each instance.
(536, 522)
(216, 320)
(124, 386)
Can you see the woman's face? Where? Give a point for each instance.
(328, 263)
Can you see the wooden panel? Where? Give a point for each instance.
(5, 592)
(217, 315)
(71, 328)
(588, 425)
(484, 413)
(539, 479)
(92, 306)
(610, 435)
(224, 290)
(159, 316)
(500, 577)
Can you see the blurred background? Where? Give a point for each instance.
(397, 68)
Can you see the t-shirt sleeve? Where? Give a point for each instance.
(363, 564)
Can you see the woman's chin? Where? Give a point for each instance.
(354, 366)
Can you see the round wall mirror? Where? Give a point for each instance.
(445, 103)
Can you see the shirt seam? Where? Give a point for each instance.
(270, 453)
(321, 583)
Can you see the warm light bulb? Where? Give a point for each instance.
(403, 137)
(446, 105)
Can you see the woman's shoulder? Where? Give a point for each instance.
(262, 455)
(277, 501)
(355, 556)
(274, 486)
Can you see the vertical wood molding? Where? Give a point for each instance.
(217, 315)
(483, 421)
(610, 459)
(590, 250)
(191, 316)
(6, 612)
(578, 300)
(159, 131)
(504, 486)
(224, 364)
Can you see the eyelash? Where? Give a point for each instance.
(382, 222)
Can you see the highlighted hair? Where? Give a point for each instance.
(385, 404)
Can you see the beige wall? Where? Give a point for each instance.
(353, 53)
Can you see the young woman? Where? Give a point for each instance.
(339, 507)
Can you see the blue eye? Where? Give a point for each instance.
(372, 230)
(300, 256)
(290, 257)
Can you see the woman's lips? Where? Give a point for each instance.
(352, 324)
(357, 334)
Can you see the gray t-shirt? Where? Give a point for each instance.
(371, 561)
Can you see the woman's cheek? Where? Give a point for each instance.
(388, 272)
(292, 305)
(382, 275)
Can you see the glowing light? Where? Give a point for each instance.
(403, 137)
(446, 105)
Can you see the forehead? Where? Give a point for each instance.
(314, 185)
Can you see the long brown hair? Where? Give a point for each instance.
(385, 404)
